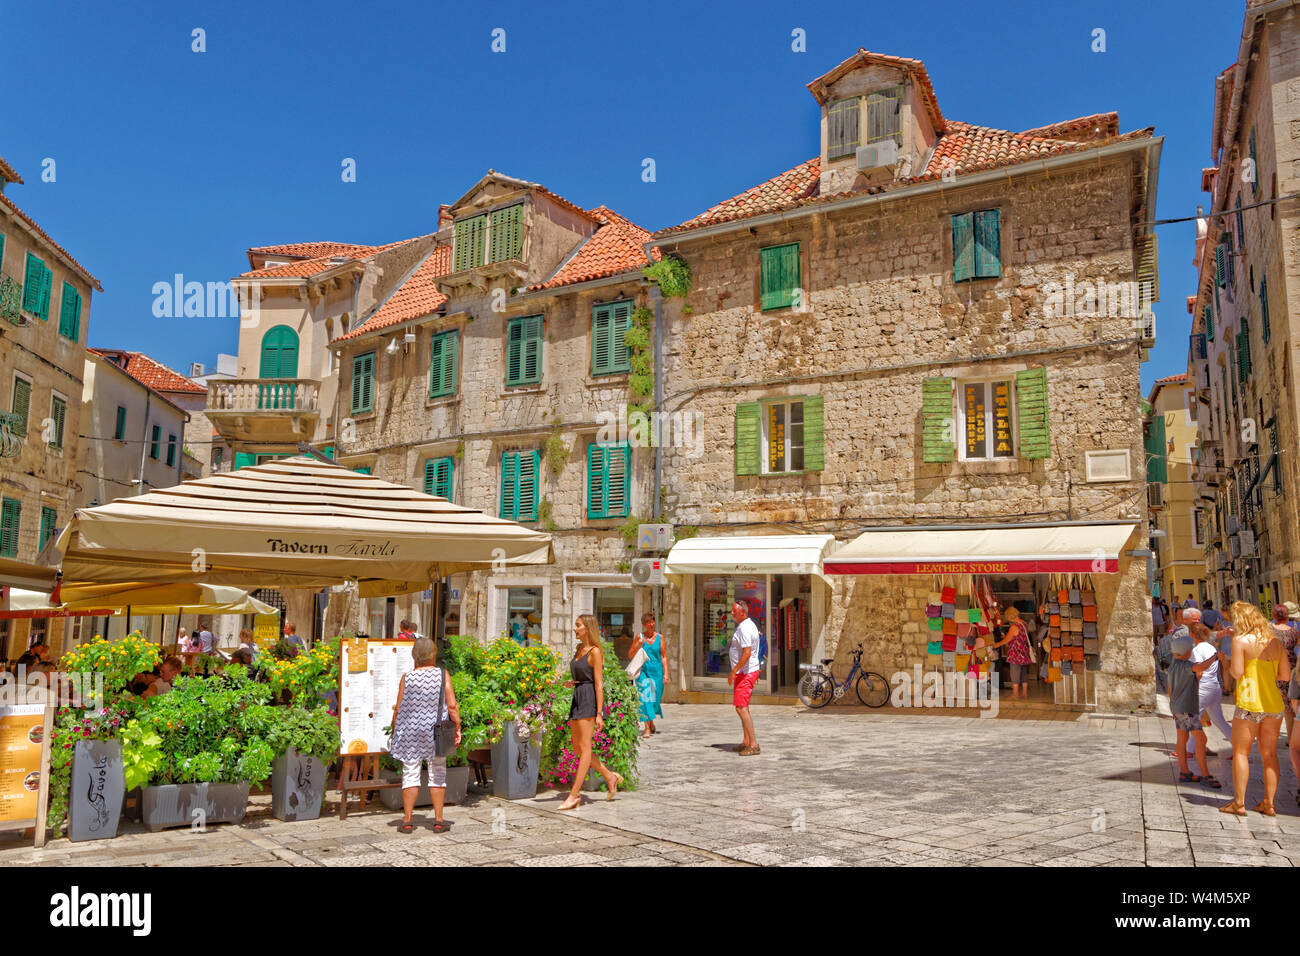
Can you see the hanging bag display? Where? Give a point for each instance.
(934, 647)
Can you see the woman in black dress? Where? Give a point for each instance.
(586, 715)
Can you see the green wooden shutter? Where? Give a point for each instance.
(1229, 258)
(779, 275)
(70, 313)
(244, 459)
(748, 421)
(1241, 227)
(1254, 183)
(363, 470)
(963, 247)
(988, 244)
(119, 426)
(469, 243)
(814, 433)
(1243, 352)
(1264, 328)
(33, 282)
(1209, 323)
(437, 477)
(532, 352)
(171, 450)
(22, 401)
(1220, 266)
(49, 522)
(618, 480)
(363, 385)
(155, 440)
(529, 471)
(1032, 414)
(506, 234)
(11, 513)
(938, 429)
(601, 340)
(58, 412)
(443, 351)
(597, 477)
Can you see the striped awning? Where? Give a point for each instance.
(290, 523)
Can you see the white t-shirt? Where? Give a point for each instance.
(1202, 652)
(746, 635)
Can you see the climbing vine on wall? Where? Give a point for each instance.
(641, 381)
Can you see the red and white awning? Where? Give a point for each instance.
(1084, 549)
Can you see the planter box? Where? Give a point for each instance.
(194, 805)
(97, 790)
(457, 784)
(455, 791)
(298, 786)
(514, 766)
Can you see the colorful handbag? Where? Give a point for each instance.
(975, 615)
(949, 612)
(1054, 620)
(1092, 646)
(935, 623)
(1056, 653)
(949, 642)
(1090, 612)
(1054, 632)
(1063, 596)
(1067, 667)
(934, 647)
(949, 658)
(961, 615)
(961, 663)
(1089, 629)
(1053, 608)
(962, 602)
(1089, 598)
(949, 595)
(1053, 675)
(1092, 663)
(934, 610)
(964, 630)
(949, 627)
(1076, 654)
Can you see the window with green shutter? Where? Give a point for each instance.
(171, 450)
(70, 313)
(609, 480)
(985, 419)
(1033, 419)
(155, 442)
(363, 383)
(119, 426)
(469, 239)
(1220, 266)
(444, 352)
(363, 470)
(1243, 352)
(22, 402)
(1264, 328)
(11, 511)
(609, 325)
(437, 476)
(842, 121)
(524, 350)
(243, 459)
(938, 426)
(506, 233)
(49, 522)
(1229, 259)
(780, 277)
(977, 245)
(792, 433)
(1209, 323)
(1241, 226)
(748, 427)
(519, 478)
(58, 413)
(36, 288)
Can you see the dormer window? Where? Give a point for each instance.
(842, 122)
(884, 115)
(497, 236)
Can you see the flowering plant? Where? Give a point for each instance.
(307, 678)
(615, 743)
(516, 675)
(118, 661)
(70, 725)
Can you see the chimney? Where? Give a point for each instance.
(444, 216)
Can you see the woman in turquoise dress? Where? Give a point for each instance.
(650, 679)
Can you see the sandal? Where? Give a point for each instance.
(440, 826)
(1211, 782)
(1235, 808)
(1264, 808)
(406, 827)
(614, 789)
(565, 807)
(1187, 777)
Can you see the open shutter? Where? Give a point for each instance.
(988, 243)
(1209, 323)
(814, 432)
(510, 485)
(938, 429)
(529, 469)
(1254, 162)
(11, 510)
(617, 480)
(602, 320)
(1032, 414)
(58, 412)
(119, 426)
(32, 279)
(22, 401)
(1220, 265)
(597, 472)
(1229, 259)
(506, 233)
(747, 443)
(430, 470)
(47, 280)
(1264, 328)
(963, 247)
(621, 321)
(532, 357)
(514, 351)
(69, 312)
(442, 484)
(779, 275)
(49, 522)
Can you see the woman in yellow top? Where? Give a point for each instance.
(1258, 663)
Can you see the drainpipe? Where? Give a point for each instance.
(144, 445)
(658, 299)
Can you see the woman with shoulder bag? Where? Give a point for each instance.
(649, 677)
(426, 730)
(1019, 653)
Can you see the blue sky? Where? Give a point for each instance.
(173, 161)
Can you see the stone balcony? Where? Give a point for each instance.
(283, 410)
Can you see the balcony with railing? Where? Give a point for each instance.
(11, 435)
(264, 409)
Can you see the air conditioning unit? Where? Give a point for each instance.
(1247, 539)
(196, 369)
(1155, 496)
(877, 155)
(1233, 524)
(648, 571)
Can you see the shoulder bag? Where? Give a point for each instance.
(444, 731)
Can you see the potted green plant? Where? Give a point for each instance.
(523, 683)
(305, 740)
(616, 743)
(195, 751)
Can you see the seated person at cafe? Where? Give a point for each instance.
(166, 677)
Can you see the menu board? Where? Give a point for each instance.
(370, 674)
(23, 728)
(266, 630)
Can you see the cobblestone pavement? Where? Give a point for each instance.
(829, 788)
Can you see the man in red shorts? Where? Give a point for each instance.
(743, 652)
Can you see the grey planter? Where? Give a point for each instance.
(594, 781)
(97, 790)
(514, 766)
(392, 797)
(298, 785)
(457, 784)
(196, 805)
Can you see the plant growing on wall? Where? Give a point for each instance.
(673, 276)
(556, 452)
(641, 380)
(545, 515)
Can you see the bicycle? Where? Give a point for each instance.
(817, 687)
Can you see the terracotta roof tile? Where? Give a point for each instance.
(8, 174)
(68, 260)
(305, 268)
(616, 246)
(779, 192)
(416, 297)
(149, 372)
(1170, 379)
(914, 68)
(308, 250)
(1081, 130)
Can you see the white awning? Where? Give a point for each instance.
(753, 554)
(1012, 549)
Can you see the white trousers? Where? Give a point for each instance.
(1211, 702)
(437, 772)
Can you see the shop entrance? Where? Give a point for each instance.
(714, 596)
(615, 612)
(791, 643)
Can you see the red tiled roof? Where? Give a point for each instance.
(149, 372)
(1207, 178)
(493, 174)
(618, 245)
(779, 192)
(1081, 130)
(415, 297)
(77, 266)
(914, 68)
(8, 174)
(305, 268)
(1170, 379)
(308, 250)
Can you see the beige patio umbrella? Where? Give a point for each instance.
(292, 523)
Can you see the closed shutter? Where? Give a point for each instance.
(244, 459)
(963, 247)
(618, 491)
(532, 350)
(529, 471)
(988, 243)
(842, 120)
(747, 435)
(36, 288)
(510, 485)
(70, 313)
(171, 450)
(597, 473)
(155, 441)
(119, 426)
(814, 433)
(779, 270)
(58, 412)
(883, 115)
(1243, 353)
(11, 511)
(22, 401)
(609, 325)
(49, 521)
(506, 234)
(1241, 227)
(442, 364)
(363, 385)
(1264, 328)
(1209, 323)
(938, 430)
(1254, 162)
(469, 243)
(437, 477)
(1032, 414)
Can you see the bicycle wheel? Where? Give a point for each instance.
(816, 690)
(872, 689)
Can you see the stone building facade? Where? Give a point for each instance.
(1172, 505)
(832, 304)
(1245, 335)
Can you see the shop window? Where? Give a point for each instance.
(615, 610)
(780, 436)
(714, 625)
(977, 245)
(519, 614)
(985, 420)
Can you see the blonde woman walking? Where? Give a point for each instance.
(1258, 663)
(586, 714)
